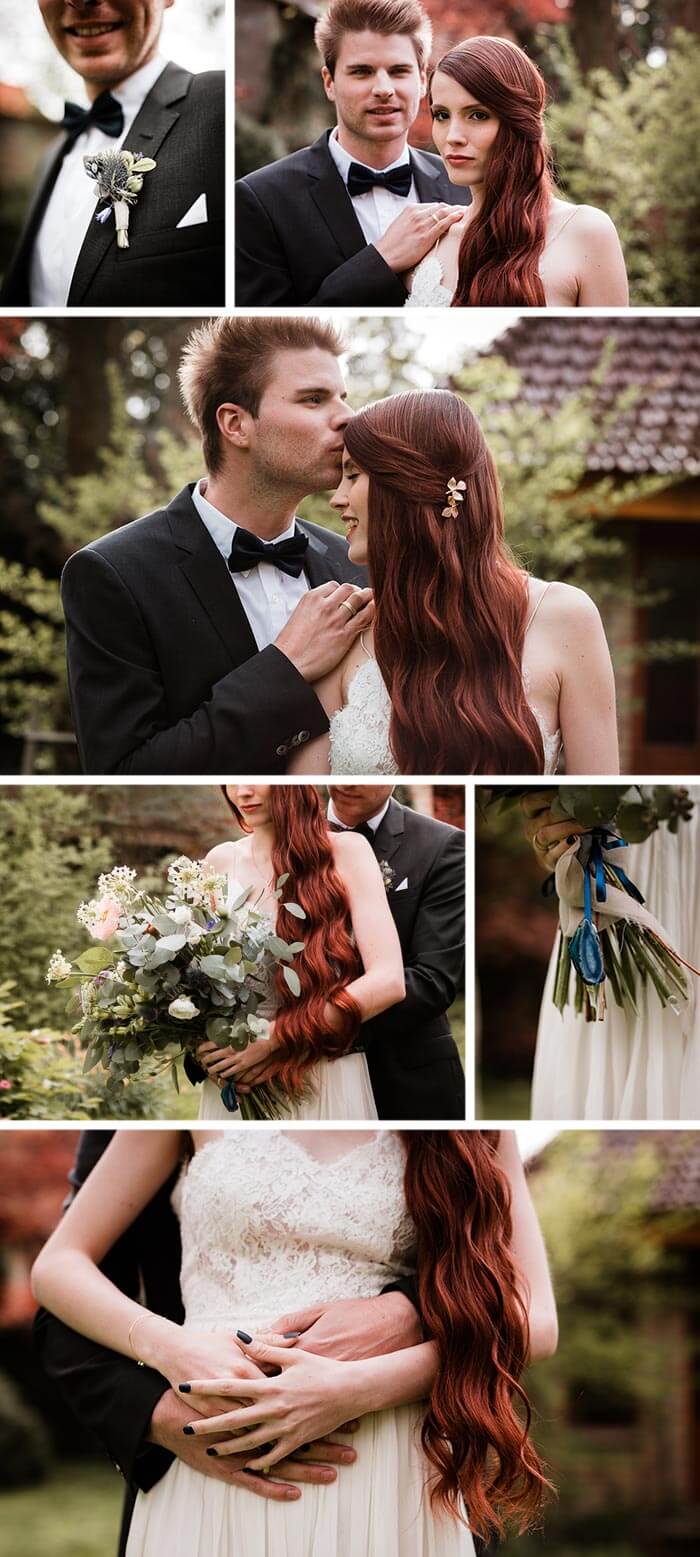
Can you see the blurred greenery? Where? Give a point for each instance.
(75, 1513)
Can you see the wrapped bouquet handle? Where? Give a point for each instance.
(608, 935)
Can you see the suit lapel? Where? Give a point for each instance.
(206, 572)
(159, 112)
(432, 183)
(389, 834)
(319, 567)
(333, 201)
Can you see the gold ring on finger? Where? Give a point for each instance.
(346, 606)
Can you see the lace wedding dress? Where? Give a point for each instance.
(633, 1067)
(359, 731)
(335, 1089)
(268, 1228)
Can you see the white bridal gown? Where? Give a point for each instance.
(335, 1089)
(627, 1066)
(267, 1228)
(359, 731)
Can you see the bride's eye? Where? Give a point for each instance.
(479, 114)
(439, 113)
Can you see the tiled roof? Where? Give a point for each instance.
(660, 432)
(678, 1152)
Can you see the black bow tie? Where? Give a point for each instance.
(360, 179)
(106, 113)
(247, 551)
(362, 827)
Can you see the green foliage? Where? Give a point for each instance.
(630, 146)
(50, 857)
(43, 1077)
(32, 649)
(25, 1450)
(74, 1514)
(256, 145)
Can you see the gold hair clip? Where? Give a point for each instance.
(454, 494)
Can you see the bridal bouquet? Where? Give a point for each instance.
(170, 972)
(607, 936)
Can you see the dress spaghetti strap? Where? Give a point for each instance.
(364, 648)
(560, 230)
(535, 609)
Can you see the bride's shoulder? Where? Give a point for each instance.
(561, 605)
(581, 221)
(222, 855)
(351, 852)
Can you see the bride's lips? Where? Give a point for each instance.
(458, 161)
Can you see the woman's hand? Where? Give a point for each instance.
(549, 836)
(221, 1064)
(183, 1353)
(310, 1397)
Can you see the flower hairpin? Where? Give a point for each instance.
(119, 179)
(454, 494)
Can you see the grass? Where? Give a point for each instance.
(75, 1513)
(499, 1099)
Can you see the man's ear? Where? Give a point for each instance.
(234, 424)
(328, 83)
(423, 81)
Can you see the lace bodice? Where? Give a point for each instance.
(267, 1228)
(427, 290)
(359, 732)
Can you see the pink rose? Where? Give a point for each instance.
(5, 1086)
(106, 921)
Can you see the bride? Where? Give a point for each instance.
(471, 666)
(275, 1220)
(517, 243)
(630, 1065)
(350, 969)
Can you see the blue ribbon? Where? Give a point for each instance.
(228, 1097)
(585, 949)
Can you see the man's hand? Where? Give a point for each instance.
(324, 626)
(355, 1327)
(549, 837)
(414, 232)
(315, 1465)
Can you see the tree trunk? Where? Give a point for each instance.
(594, 35)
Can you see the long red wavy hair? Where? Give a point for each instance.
(302, 850)
(474, 1436)
(451, 605)
(501, 248)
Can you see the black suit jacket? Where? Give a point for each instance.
(110, 1395)
(182, 126)
(413, 1059)
(163, 669)
(298, 239)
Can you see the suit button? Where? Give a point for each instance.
(303, 736)
(282, 750)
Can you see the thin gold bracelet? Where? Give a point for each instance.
(132, 1327)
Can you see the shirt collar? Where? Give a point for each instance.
(374, 822)
(342, 158)
(132, 92)
(221, 528)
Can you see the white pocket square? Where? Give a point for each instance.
(197, 213)
(402, 886)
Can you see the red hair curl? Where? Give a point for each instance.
(500, 252)
(459, 1199)
(302, 850)
(451, 605)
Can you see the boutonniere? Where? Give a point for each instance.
(388, 875)
(119, 179)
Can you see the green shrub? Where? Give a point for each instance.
(25, 1445)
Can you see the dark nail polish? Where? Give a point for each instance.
(189, 1430)
(212, 1451)
(291, 1335)
(306, 1447)
(242, 1336)
(185, 1389)
(571, 838)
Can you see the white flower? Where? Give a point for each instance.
(183, 1009)
(182, 914)
(59, 968)
(194, 933)
(117, 883)
(259, 1026)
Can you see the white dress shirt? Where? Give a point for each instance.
(267, 594)
(72, 203)
(378, 208)
(373, 822)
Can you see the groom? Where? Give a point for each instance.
(195, 635)
(138, 102)
(131, 1410)
(413, 1060)
(342, 221)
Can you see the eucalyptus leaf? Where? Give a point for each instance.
(293, 908)
(292, 980)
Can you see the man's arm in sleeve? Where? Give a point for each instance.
(434, 966)
(118, 702)
(264, 280)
